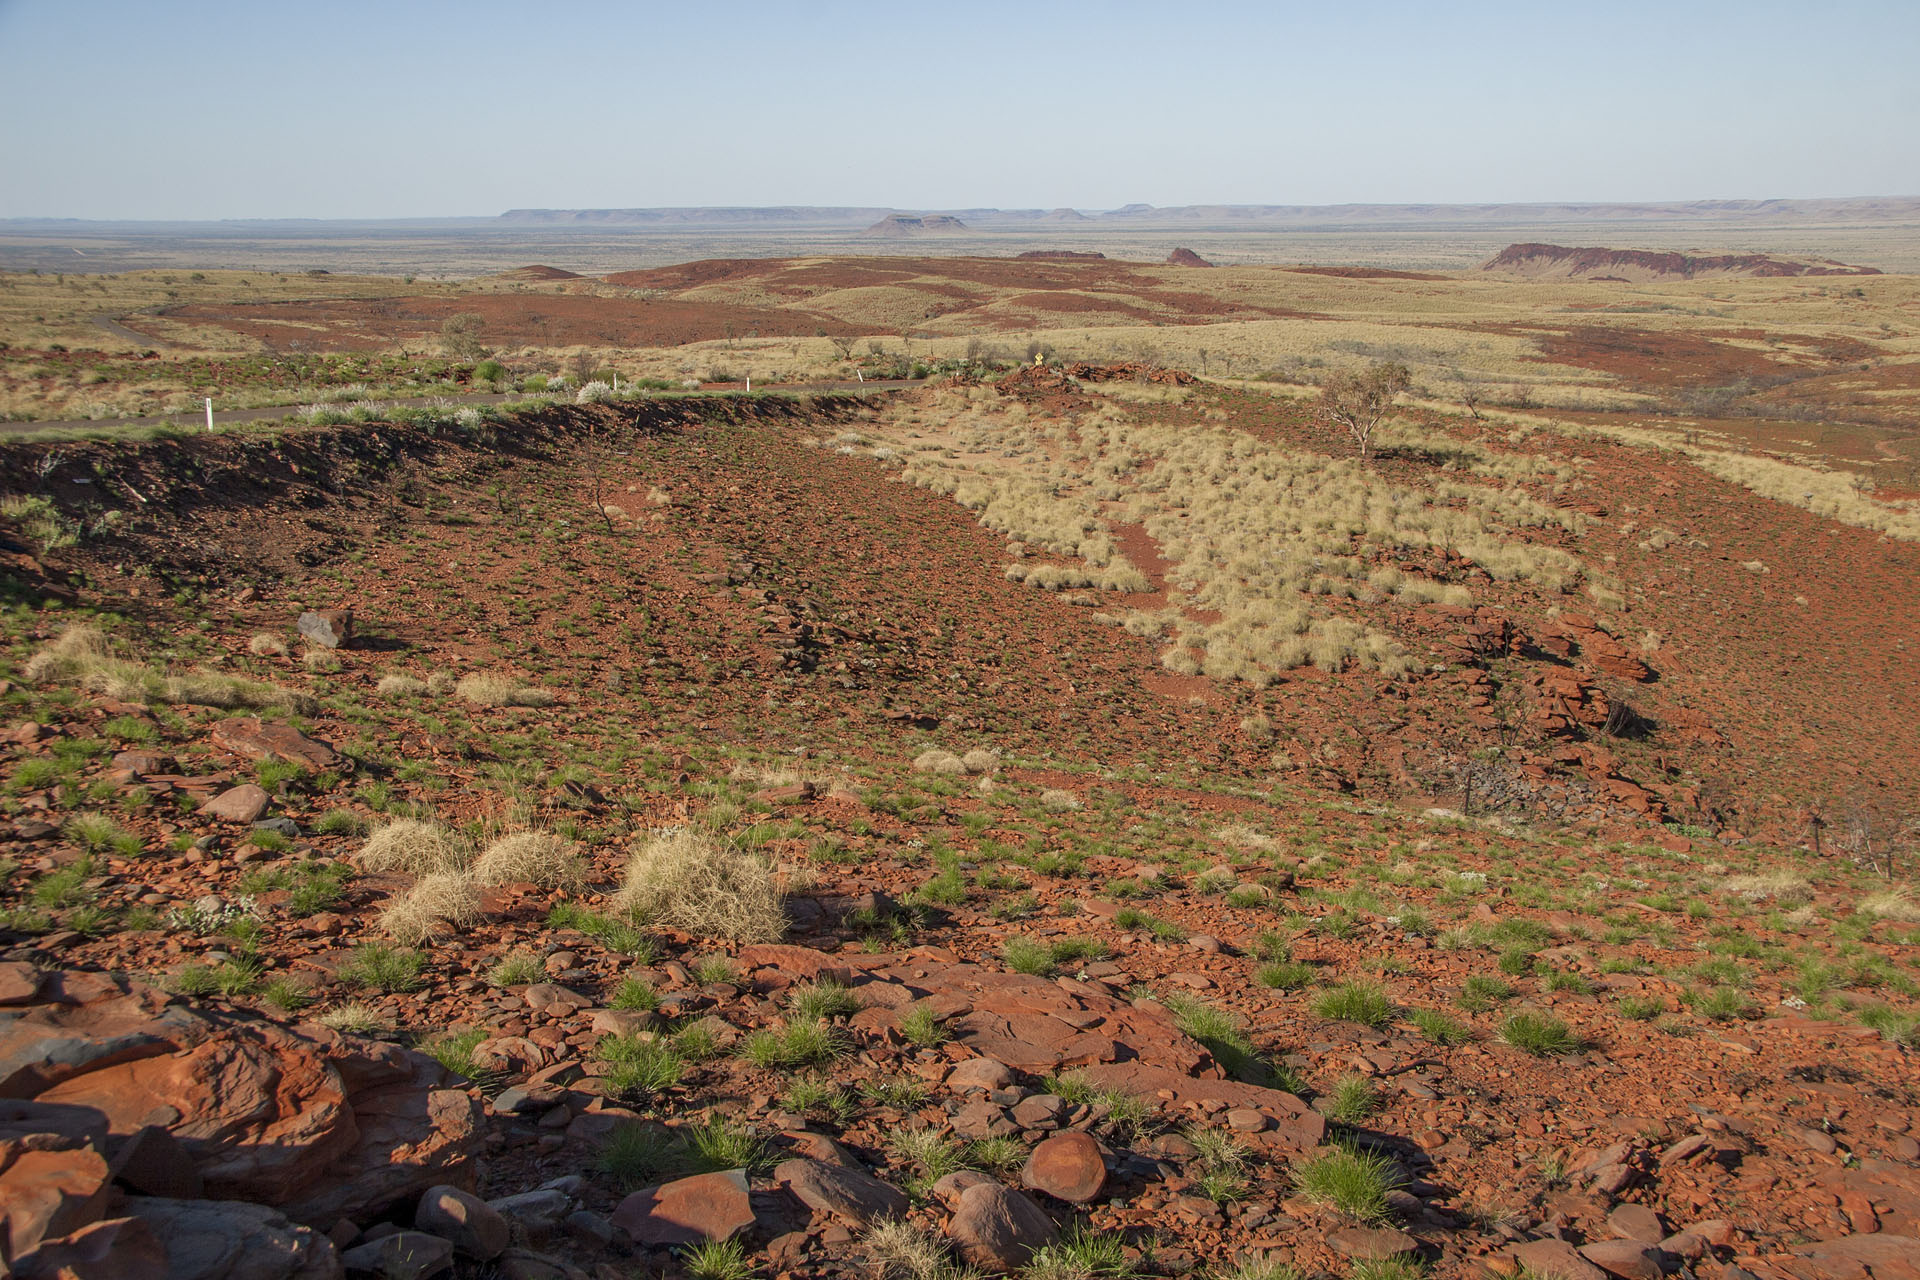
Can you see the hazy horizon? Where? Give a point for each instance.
(221, 111)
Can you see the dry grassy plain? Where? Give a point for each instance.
(1818, 371)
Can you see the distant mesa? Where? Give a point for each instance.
(899, 226)
(1559, 262)
(1186, 258)
(1064, 215)
(539, 272)
(1061, 255)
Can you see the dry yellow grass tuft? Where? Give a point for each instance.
(531, 857)
(936, 760)
(1776, 886)
(690, 881)
(437, 902)
(415, 848)
(981, 760)
(1054, 800)
(264, 645)
(400, 686)
(485, 690)
(1894, 904)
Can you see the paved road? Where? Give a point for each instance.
(271, 412)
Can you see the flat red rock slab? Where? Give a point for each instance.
(709, 1206)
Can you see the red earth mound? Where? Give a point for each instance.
(537, 272)
(1186, 258)
(1366, 273)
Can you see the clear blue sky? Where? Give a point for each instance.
(201, 109)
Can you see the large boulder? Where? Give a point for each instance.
(328, 628)
(708, 1206)
(255, 739)
(47, 1194)
(851, 1194)
(1067, 1166)
(229, 1240)
(117, 1249)
(473, 1226)
(319, 1125)
(997, 1228)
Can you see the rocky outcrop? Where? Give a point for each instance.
(1562, 262)
(114, 1085)
(1577, 634)
(900, 226)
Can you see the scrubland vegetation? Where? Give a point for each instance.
(918, 781)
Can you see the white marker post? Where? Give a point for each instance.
(749, 382)
(209, 414)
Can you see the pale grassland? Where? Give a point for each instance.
(1265, 537)
(1836, 495)
(36, 310)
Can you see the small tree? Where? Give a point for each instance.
(460, 336)
(1469, 391)
(1360, 401)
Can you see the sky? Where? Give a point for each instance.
(195, 109)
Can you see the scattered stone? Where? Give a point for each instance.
(524, 1264)
(1555, 1260)
(851, 1194)
(1861, 1257)
(1817, 1141)
(1067, 1166)
(998, 1228)
(623, 1022)
(534, 1212)
(249, 737)
(1635, 1222)
(1627, 1259)
(1372, 1244)
(982, 1119)
(949, 1189)
(1041, 1111)
(585, 1224)
(243, 804)
(980, 1073)
(473, 1226)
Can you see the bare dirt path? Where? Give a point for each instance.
(118, 330)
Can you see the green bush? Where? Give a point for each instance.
(1356, 1000)
(1539, 1034)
